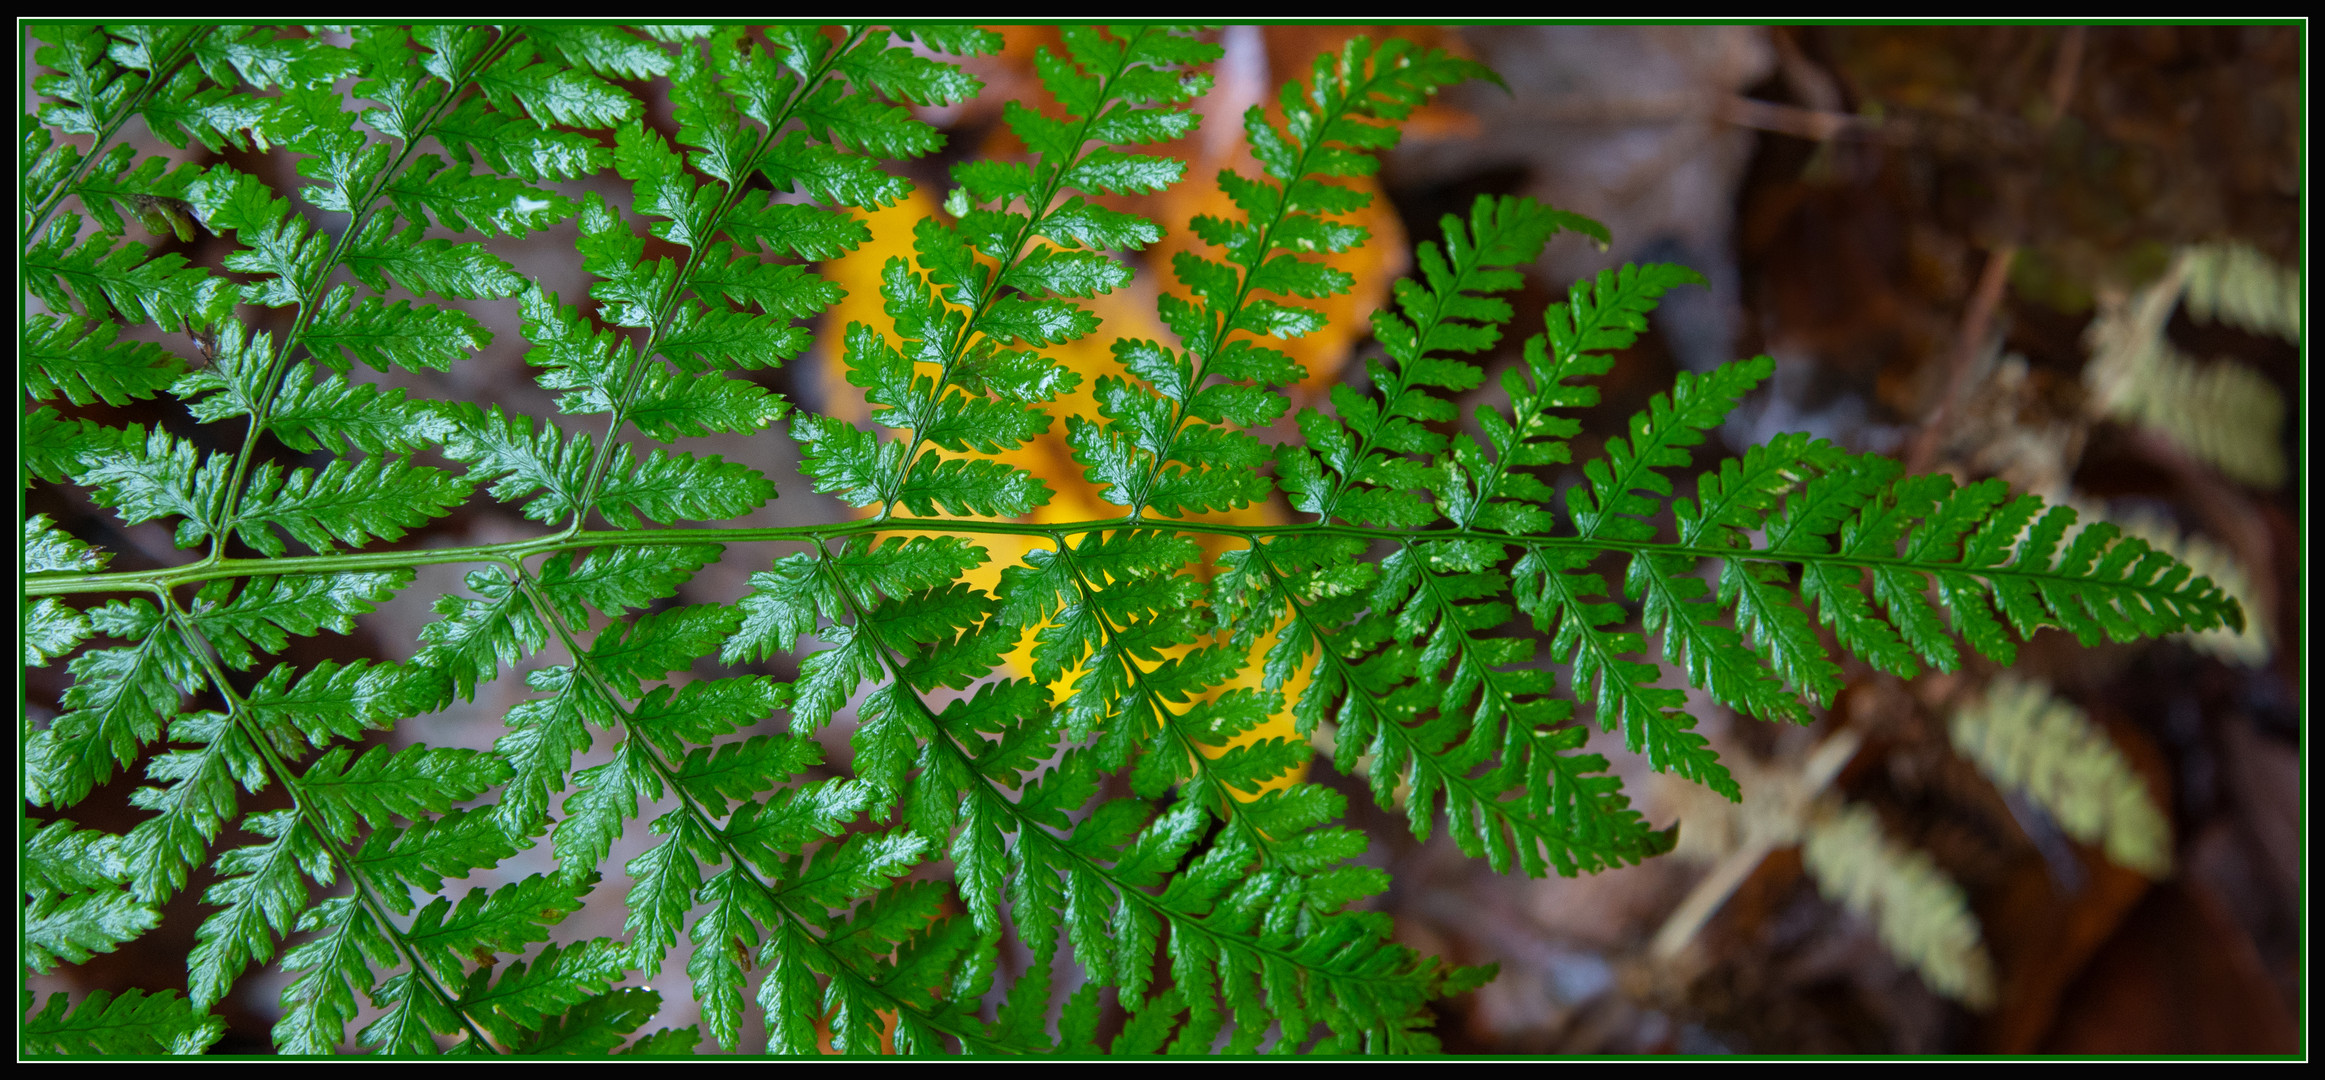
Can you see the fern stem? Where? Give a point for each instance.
(366, 891)
(60, 584)
(162, 73)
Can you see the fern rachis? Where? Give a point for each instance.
(1215, 903)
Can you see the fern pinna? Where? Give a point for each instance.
(1100, 790)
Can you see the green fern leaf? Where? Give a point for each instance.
(260, 897)
(700, 339)
(912, 894)
(723, 937)
(189, 812)
(670, 487)
(98, 279)
(518, 460)
(75, 908)
(51, 630)
(118, 702)
(605, 796)
(2237, 285)
(333, 968)
(477, 636)
(381, 335)
(156, 477)
(150, 191)
(503, 920)
(414, 1018)
(332, 702)
(84, 361)
(431, 850)
(613, 580)
(268, 611)
(348, 503)
(381, 255)
(134, 1023)
(664, 880)
(324, 412)
(51, 447)
(408, 784)
(525, 998)
(598, 1024)
(72, 928)
(258, 57)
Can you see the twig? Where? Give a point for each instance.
(1969, 342)
(1987, 297)
(2063, 72)
(1816, 125)
(1817, 773)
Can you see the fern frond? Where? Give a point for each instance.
(48, 549)
(51, 447)
(260, 896)
(197, 800)
(1451, 310)
(2025, 739)
(334, 967)
(595, 1026)
(119, 700)
(560, 1001)
(97, 279)
(520, 460)
(266, 612)
(1166, 444)
(349, 504)
(2222, 412)
(323, 412)
(477, 636)
(1923, 917)
(2237, 285)
(978, 325)
(1064, 740)
(83, 361)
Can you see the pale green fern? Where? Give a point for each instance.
(2025, 739)
(2235, 284)
(1922, 915)
(1215, 919)
(2222, 412)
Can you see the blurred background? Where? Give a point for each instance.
(2062, 256)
